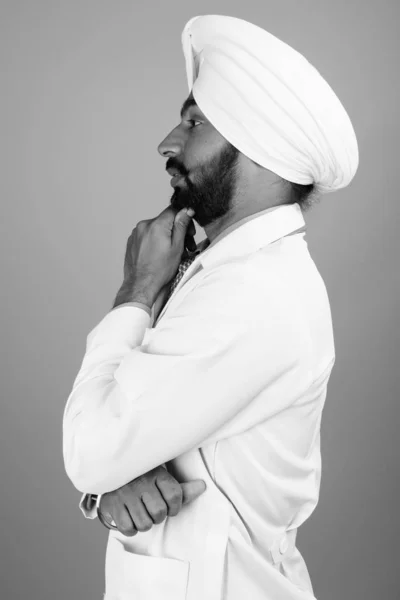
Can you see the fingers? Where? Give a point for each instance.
(123, 520)
(192, 490)
(130, 516)
(148, 500)
(171, 492)
(139, 515)
(155, 506)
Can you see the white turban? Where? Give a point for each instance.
(269, 102)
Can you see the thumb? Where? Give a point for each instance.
(181, 223)
(192, 490)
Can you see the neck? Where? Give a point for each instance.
(240, 212)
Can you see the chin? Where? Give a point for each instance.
(178, 201)
(175, 203)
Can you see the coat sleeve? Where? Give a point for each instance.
(135, 406)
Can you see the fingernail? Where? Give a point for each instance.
(190, 212)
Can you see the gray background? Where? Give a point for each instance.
(89, 89)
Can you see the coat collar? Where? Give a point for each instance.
(243, 237)
(251, 233)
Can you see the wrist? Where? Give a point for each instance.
(132, 292)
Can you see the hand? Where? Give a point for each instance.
(153, 253)
(148, 500)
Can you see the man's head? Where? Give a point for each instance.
(218, 181)
(264, 117)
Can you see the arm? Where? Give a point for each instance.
(89, 503)
(135, 407)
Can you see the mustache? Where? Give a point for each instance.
(174, 165)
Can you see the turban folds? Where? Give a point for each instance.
(269, 102)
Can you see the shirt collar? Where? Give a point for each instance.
(251, 233)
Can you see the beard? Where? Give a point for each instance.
(211, 194)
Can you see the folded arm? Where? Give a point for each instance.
(134, 407)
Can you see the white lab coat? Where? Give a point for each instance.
(229, 386)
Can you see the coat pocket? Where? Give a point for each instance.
(143, 577)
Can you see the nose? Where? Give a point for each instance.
(172, 145)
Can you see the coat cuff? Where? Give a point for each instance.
(138, 304)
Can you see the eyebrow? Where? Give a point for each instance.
(187, 104)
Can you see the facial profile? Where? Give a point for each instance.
(206, 164)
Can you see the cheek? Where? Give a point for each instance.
(200, 153)
(202, 147)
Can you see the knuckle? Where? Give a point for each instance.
(126, 530)
(160, 515)
(144, 526)
(162, 476)
(175, 507)
(174, 493)
(160, 471)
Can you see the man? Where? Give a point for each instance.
(208, 378)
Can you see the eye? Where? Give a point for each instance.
(193, 121)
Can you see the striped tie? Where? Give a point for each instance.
(188, 258)
(185, 264)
